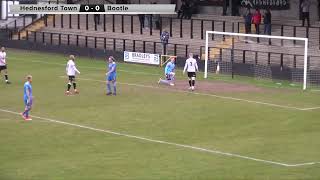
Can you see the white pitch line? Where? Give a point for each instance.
(166, 142)
(205, 94)
(312, 108)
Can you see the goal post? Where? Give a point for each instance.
(165, 58)
(233, 35)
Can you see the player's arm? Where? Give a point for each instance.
(3, 61)
(196, 65)
(111, 70)
(74, 67)
(166, 68)
(67, 68)
(28, 95)
(185, 67)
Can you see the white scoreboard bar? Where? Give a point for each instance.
(92, 9)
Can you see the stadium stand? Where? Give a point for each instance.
(127, 27)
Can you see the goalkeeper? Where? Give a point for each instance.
(169, 73)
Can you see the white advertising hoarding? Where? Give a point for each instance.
(144, 58)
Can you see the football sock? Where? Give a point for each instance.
(74, 85)
(190, 83)
(109, 88)
(193, 82)
(6, 77)
(114, 88)
(69, 86)
(26, 112)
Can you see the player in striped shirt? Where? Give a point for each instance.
(169, 73)
(3, 64)
(71, 71)
(111, 76)
(191, 67)
(27, 97)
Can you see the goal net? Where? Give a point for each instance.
(274, 58)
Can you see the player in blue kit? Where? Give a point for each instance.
(111, 76)
(27, 97)
(169, 73)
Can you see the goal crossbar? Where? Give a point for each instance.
(305, 63)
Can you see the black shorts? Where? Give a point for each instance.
(72, 78)
(3, 68)
(192, 74)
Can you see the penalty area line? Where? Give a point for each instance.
(165, 142)
(211, 95)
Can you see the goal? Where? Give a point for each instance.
(260, 56)
(166, 58)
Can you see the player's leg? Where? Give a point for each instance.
(27, 109)
(190, 81)
(172, 78)
(193, 82)
(69, 85)
(6, 77)
(24, 113)
(109, 79)
(164, 81)
(109, 88)
(114, 82)
(74, 83)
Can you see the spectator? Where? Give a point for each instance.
(148, 20)
(190, 8)
(156, 19)
(164, 37)
(96, 18)
(305, 7)
(186, 10)
(181, 12)
(236, 4)
(141, 19)
(256, 19)
(247, 21)
(267, 22)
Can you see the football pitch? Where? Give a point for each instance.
(149, 131)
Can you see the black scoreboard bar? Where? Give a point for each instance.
(92, 8)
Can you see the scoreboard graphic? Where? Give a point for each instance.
(92, 9)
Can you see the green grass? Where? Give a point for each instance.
(45, 150)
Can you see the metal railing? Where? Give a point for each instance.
(21, 22)
(114, 44)
(184, 28)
